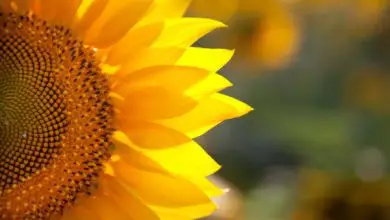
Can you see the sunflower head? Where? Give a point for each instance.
(99, 103)
(56, 116)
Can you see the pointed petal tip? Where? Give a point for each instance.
(212, 22)
(242, 108)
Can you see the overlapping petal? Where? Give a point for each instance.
(165, 93)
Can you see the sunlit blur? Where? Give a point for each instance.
(317, 72)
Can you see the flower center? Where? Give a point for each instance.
(55, 118)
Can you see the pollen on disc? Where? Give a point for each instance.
(55, 118)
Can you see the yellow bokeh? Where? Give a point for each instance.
(273, 36)
(276, 36)
(363, 14)
(368, 13)
(218, 9)
(276, 39)
(368, 89)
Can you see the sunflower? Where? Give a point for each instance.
(99, 104)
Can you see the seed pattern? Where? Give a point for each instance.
(55, 118)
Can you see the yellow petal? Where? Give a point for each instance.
(126, 201)
(152, 103)
(165, 9)
(205, 58)
(152, 136)
(58, 12)
(171, 191)
(106, 208)
(185, 213)
(190, 160)
(133, 42)
(151, 57)
(185, 31)
(131, 154)
(115, 21)
(87, 13)
(109, 70)
(46, 9)
(239, 107)
(66, 11)
(176, 79)
(211, 84)
(201, 118)
(207, 186)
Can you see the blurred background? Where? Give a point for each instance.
(317, 73)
